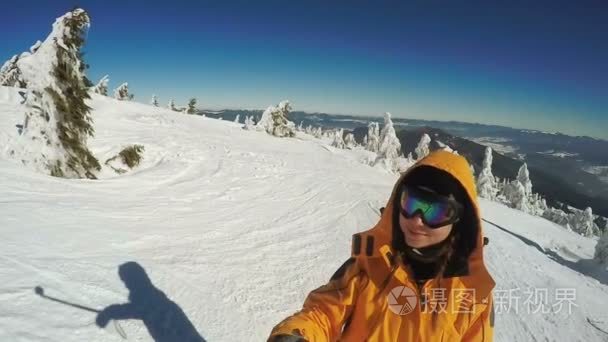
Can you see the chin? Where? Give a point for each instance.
(417, 243)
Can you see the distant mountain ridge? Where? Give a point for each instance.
(556, 161)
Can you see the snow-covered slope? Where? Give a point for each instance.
(235, 227)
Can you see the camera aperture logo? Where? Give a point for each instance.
(402, 300)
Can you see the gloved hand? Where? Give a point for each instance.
(102, 319)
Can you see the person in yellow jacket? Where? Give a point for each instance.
(417, 275)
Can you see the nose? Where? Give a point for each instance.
(417, 220)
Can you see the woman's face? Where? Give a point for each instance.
(418, 235)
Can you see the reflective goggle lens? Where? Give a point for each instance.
(435, 210)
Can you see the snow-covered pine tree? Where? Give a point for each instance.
(58, 121)
(349, 141)
(583, 223)
(410, 159)
(543, 206)
(101, 87)
(171, 105)
(122, 92)
(373, 137)
(364, 141)
(154, 101)
(523, 176)
(537, 205)
(486, 184)
(191, 106)
(338, 141)
(308, 129)
(238, 117)
(249, 124)
(300, 127)
(422, 150)
(556, 215)
(275, 120)
(516, 194)
(390, 147)
(10, 73)
(318, 133)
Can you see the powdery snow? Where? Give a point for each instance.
(235, 227)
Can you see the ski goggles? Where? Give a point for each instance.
(435, 210)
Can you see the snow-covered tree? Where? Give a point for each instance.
(191, 106)
(422, 150)
(373, 137)
(410, 159)
(500, 185)
(102, 86)
(349, 141)
(318, 133)
(57, 120)
(238, 117)
(171, 106)
(300, 127)
(249, 123)
(308, 129)
(122, 92)
(601, 249)
(582, 222)
(516, 195)
(338, 141)
(364, 141)
(154, 101)
(486, 183)
(556, 215)
(390, 147)
(537, 205)
(523, 176)
(275, 120)
(10, 73)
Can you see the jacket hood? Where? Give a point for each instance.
(458, 167)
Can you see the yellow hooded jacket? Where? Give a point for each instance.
(367, 299)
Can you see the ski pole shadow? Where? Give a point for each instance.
(587, 267)
(164, 319)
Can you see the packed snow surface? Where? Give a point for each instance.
(235, 227)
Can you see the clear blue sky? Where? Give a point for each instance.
(540, 65)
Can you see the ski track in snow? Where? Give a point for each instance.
(235, 227)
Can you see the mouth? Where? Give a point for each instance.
(416, 233)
